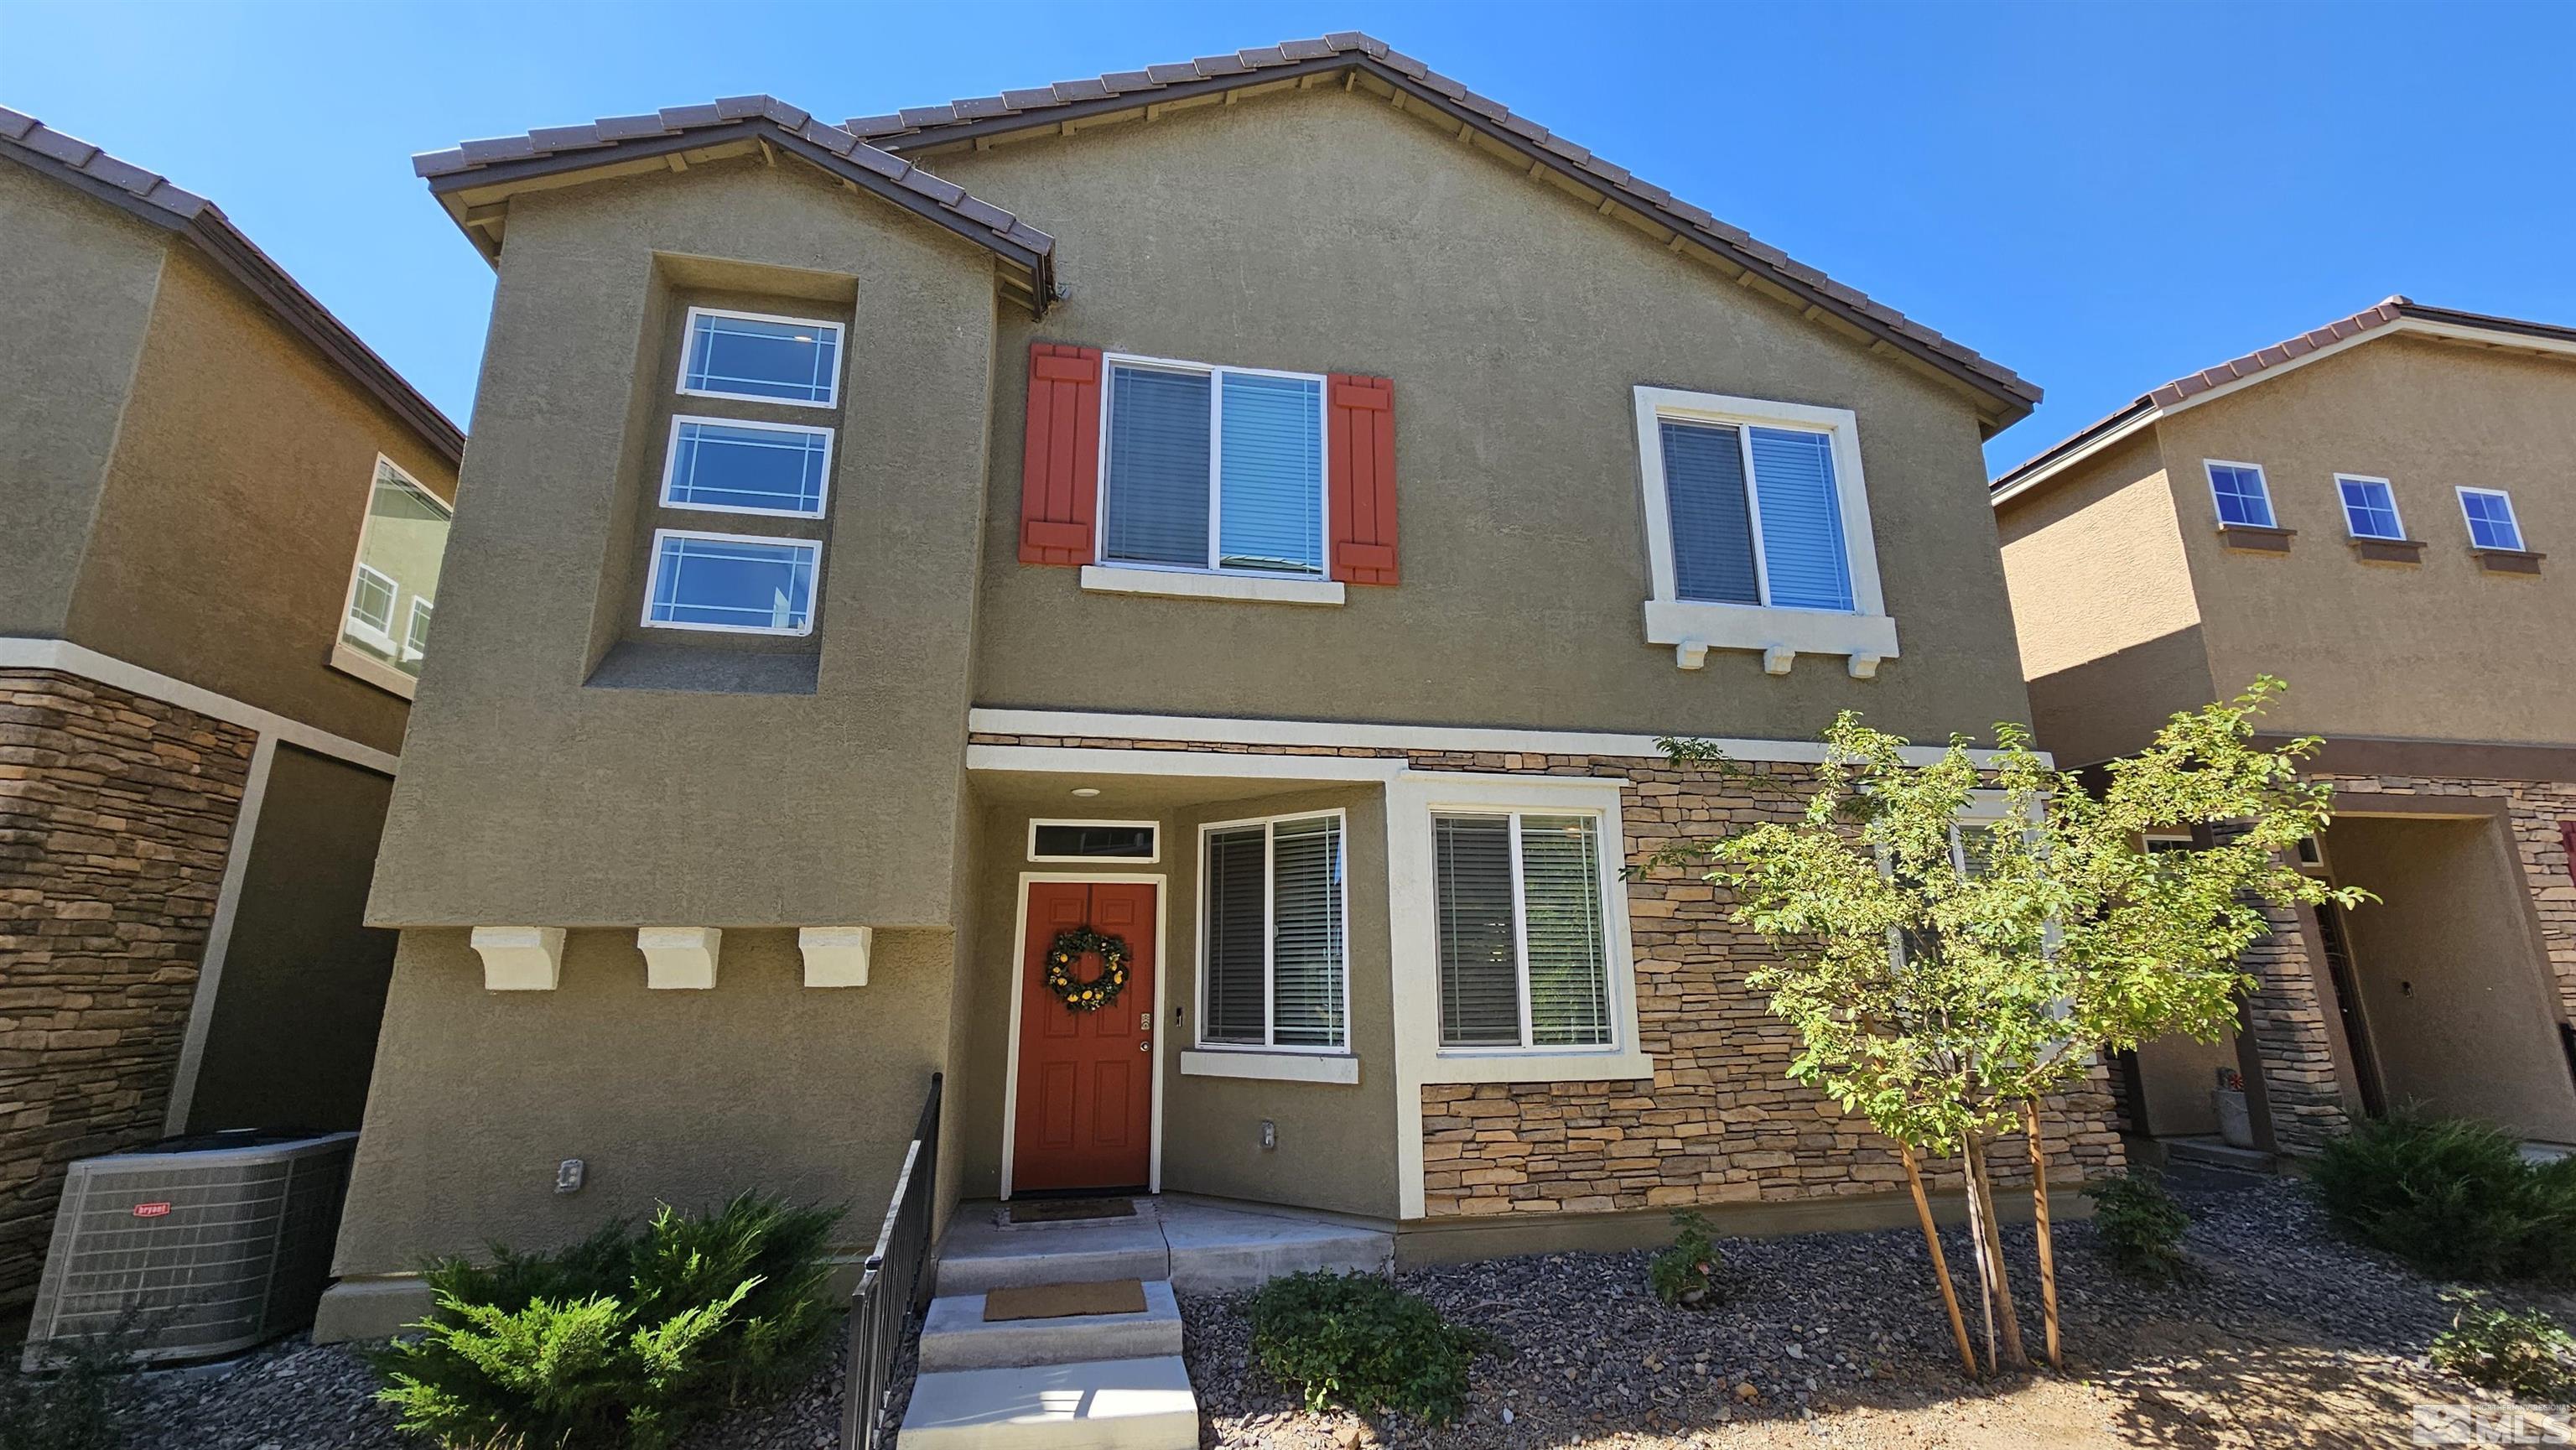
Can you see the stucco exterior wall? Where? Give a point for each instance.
(224, 540)
(529, 795)
(1323, 232)
(76, 294)
(686, 1097)
(2439, 650)
(2102, 602)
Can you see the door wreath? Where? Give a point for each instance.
(1086, 994)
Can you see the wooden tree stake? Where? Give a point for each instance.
(2047, 1248)
(1940, 1265)
(1982, 1184)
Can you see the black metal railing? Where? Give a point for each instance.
(891, 1285)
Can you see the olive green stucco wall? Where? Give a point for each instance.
(76, 290)
(1322, 232)
(529, 796)
(293, 1034)
(678, 1095)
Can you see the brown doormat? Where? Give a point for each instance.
(1069, 1210)
(1065, 1301)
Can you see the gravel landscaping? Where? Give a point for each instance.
(2285, 1336)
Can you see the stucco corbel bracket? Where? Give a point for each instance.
(520, 958)
(836, 956)
(679, 957)
(1691, 654)
(1865, 666)
(1777, 659)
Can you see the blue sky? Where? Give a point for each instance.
(2102, 196)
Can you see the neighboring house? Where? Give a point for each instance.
(223, 524)
(2367, 512)
(1262, 509)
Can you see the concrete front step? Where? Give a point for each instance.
(1119, 1404)
(980, 1255)
(1218, 1249)
(956, 1336)
(2215, 1153)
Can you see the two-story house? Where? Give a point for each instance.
(2367, 512)
(1255, 515)
(221, 518)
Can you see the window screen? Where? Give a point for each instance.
(1275, 948)
(1186, 445)
(1519, 920)
(1796, 558)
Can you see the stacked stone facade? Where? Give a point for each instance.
(1721, 1122)
(116, 815)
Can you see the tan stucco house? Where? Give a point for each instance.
(1262, 510)
(2369, 512)
(223, 521)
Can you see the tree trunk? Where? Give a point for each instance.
(1977, 1210)
(1940, 1264)
(1982, 1187)
(2047, 1246)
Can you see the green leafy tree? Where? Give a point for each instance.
(1961, 935)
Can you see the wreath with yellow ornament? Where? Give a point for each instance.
(1064, 959)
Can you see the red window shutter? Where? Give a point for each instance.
(1060, 471)
(2567, 838)
(1362, 479)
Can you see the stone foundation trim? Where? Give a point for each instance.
(520, 958)
(679, 958)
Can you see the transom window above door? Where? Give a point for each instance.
(1213, 468)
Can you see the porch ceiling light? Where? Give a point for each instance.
(1086, 791)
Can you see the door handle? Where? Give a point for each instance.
(1144, 1044)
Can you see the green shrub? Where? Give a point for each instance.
(1683, 1274)
(623, 1339)
(2453, 1198)
(82, 1400)
(2525, 1353)
(1360, 1340)
(2140, 1225)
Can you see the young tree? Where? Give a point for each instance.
(1963, 936)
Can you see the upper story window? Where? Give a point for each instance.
(1758, 506)
(2492, 525)
(745, 467)
(2238, 490)
(2369, 507)
(1273, 965)
(1209, 468)
(384, 628)
(735, 583)
(1523, 958)
(762, 358)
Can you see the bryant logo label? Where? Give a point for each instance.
(151, 1210)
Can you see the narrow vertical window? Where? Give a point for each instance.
(1274, 958)
(1521, 931)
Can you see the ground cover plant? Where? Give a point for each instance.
(2523, 1352)
(2140, 1225)
(1684, 1274)
(1358, 1340)
(2452, 1197)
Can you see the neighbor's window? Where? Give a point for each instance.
(731, 582)
(1273, 970)
(2241, 497)
(2491, 521)
(768, 359)
(1523, 962)
(396, 579)
(2369, 507)
(1214, 469)
(745, 467)
(1756, 517)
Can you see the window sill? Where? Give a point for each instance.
(2248, 539)
(1693, 629)
(2508, 561)
(1510, 1065)
(2387, 551)
(1270, 1066)
(374, 671)
(1176, 584)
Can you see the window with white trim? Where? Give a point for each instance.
(2369, 507)
(721, 465)
(2242, 498)
(401, 547)
(2489, 512)
(1274, 970)
(1214, 469)
(1758, 530)
(761, 358)
(1524, 960)
(731, 583)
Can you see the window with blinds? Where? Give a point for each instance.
(1523, 955)
(1756, 516)
(1272, 961)
(1216, 469)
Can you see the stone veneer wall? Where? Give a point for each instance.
(1721, 1122)
(116, 814)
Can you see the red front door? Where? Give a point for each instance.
(1085, 1113)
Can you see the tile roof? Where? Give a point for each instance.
(2182, 390)
(923, 126)
(561, 147)
(151, 197)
